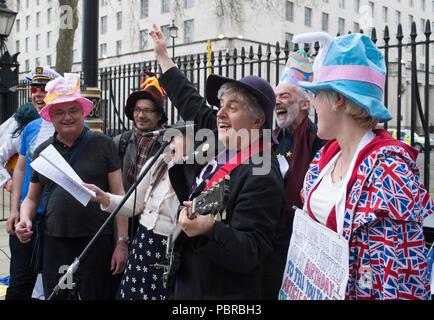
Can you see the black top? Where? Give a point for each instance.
(227, 266)
(65, 216)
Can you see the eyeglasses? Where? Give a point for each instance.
(35, 89)
(144, 111)
(61, 113)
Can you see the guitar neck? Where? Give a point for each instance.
(191, 211)
(177, 231)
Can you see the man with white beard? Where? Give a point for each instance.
(297, 146)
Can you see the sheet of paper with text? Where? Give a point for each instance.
(52, 165)
(317, 262)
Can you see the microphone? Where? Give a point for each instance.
(158, 133)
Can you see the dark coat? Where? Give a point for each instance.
(227, 266)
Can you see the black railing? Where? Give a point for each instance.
(268, 61)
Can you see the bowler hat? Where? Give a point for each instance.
(257, 86)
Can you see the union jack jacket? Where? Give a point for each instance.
(385, 207)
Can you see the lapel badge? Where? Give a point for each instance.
(205, 147)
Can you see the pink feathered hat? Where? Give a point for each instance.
(63, 90)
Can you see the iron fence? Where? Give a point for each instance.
(268, 61)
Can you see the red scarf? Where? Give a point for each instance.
(144, 145)
(235, 161)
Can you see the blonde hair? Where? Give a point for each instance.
(356, 111)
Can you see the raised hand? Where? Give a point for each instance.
(160, 49)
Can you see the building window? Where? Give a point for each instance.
(103, 27)
(356, 27)
(189, 3)
(356, 6)
(371, 8)
(384, 14)
(26, 45)
(118, 47)
(289, 11)
(17, 25)
(17, 46)
(49, 62)
(165, 6)
(341, 26)
(27, 23)
(18, 5)
(48, 39)
(38, 37)
(104, 3)
(422, 5)
(397, 17)
(103, 50)
(49, 15)
(410, 21)
(325, 21)
(144, 8)
(27, 65)
(38, 19)
(411, 3)
(37, 61)
(165, 30)
(119, 20)
(143, 39)
(342, 4)
(307, 16)
(288, 37)
(188, 31)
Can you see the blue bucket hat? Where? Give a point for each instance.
(351, 65)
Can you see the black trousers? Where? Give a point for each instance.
(93, 278)
(22, 277)
(272, 275)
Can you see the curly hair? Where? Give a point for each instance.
(24, 114)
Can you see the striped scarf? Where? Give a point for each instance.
(144, 146)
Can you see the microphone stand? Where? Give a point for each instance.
(74, 266)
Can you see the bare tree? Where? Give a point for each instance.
(65, 42)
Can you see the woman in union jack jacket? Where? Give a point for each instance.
(364, 184)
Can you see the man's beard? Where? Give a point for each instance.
(291, 113)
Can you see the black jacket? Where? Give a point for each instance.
(227, 266)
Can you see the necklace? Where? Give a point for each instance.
(339, 176)
(341, 171)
